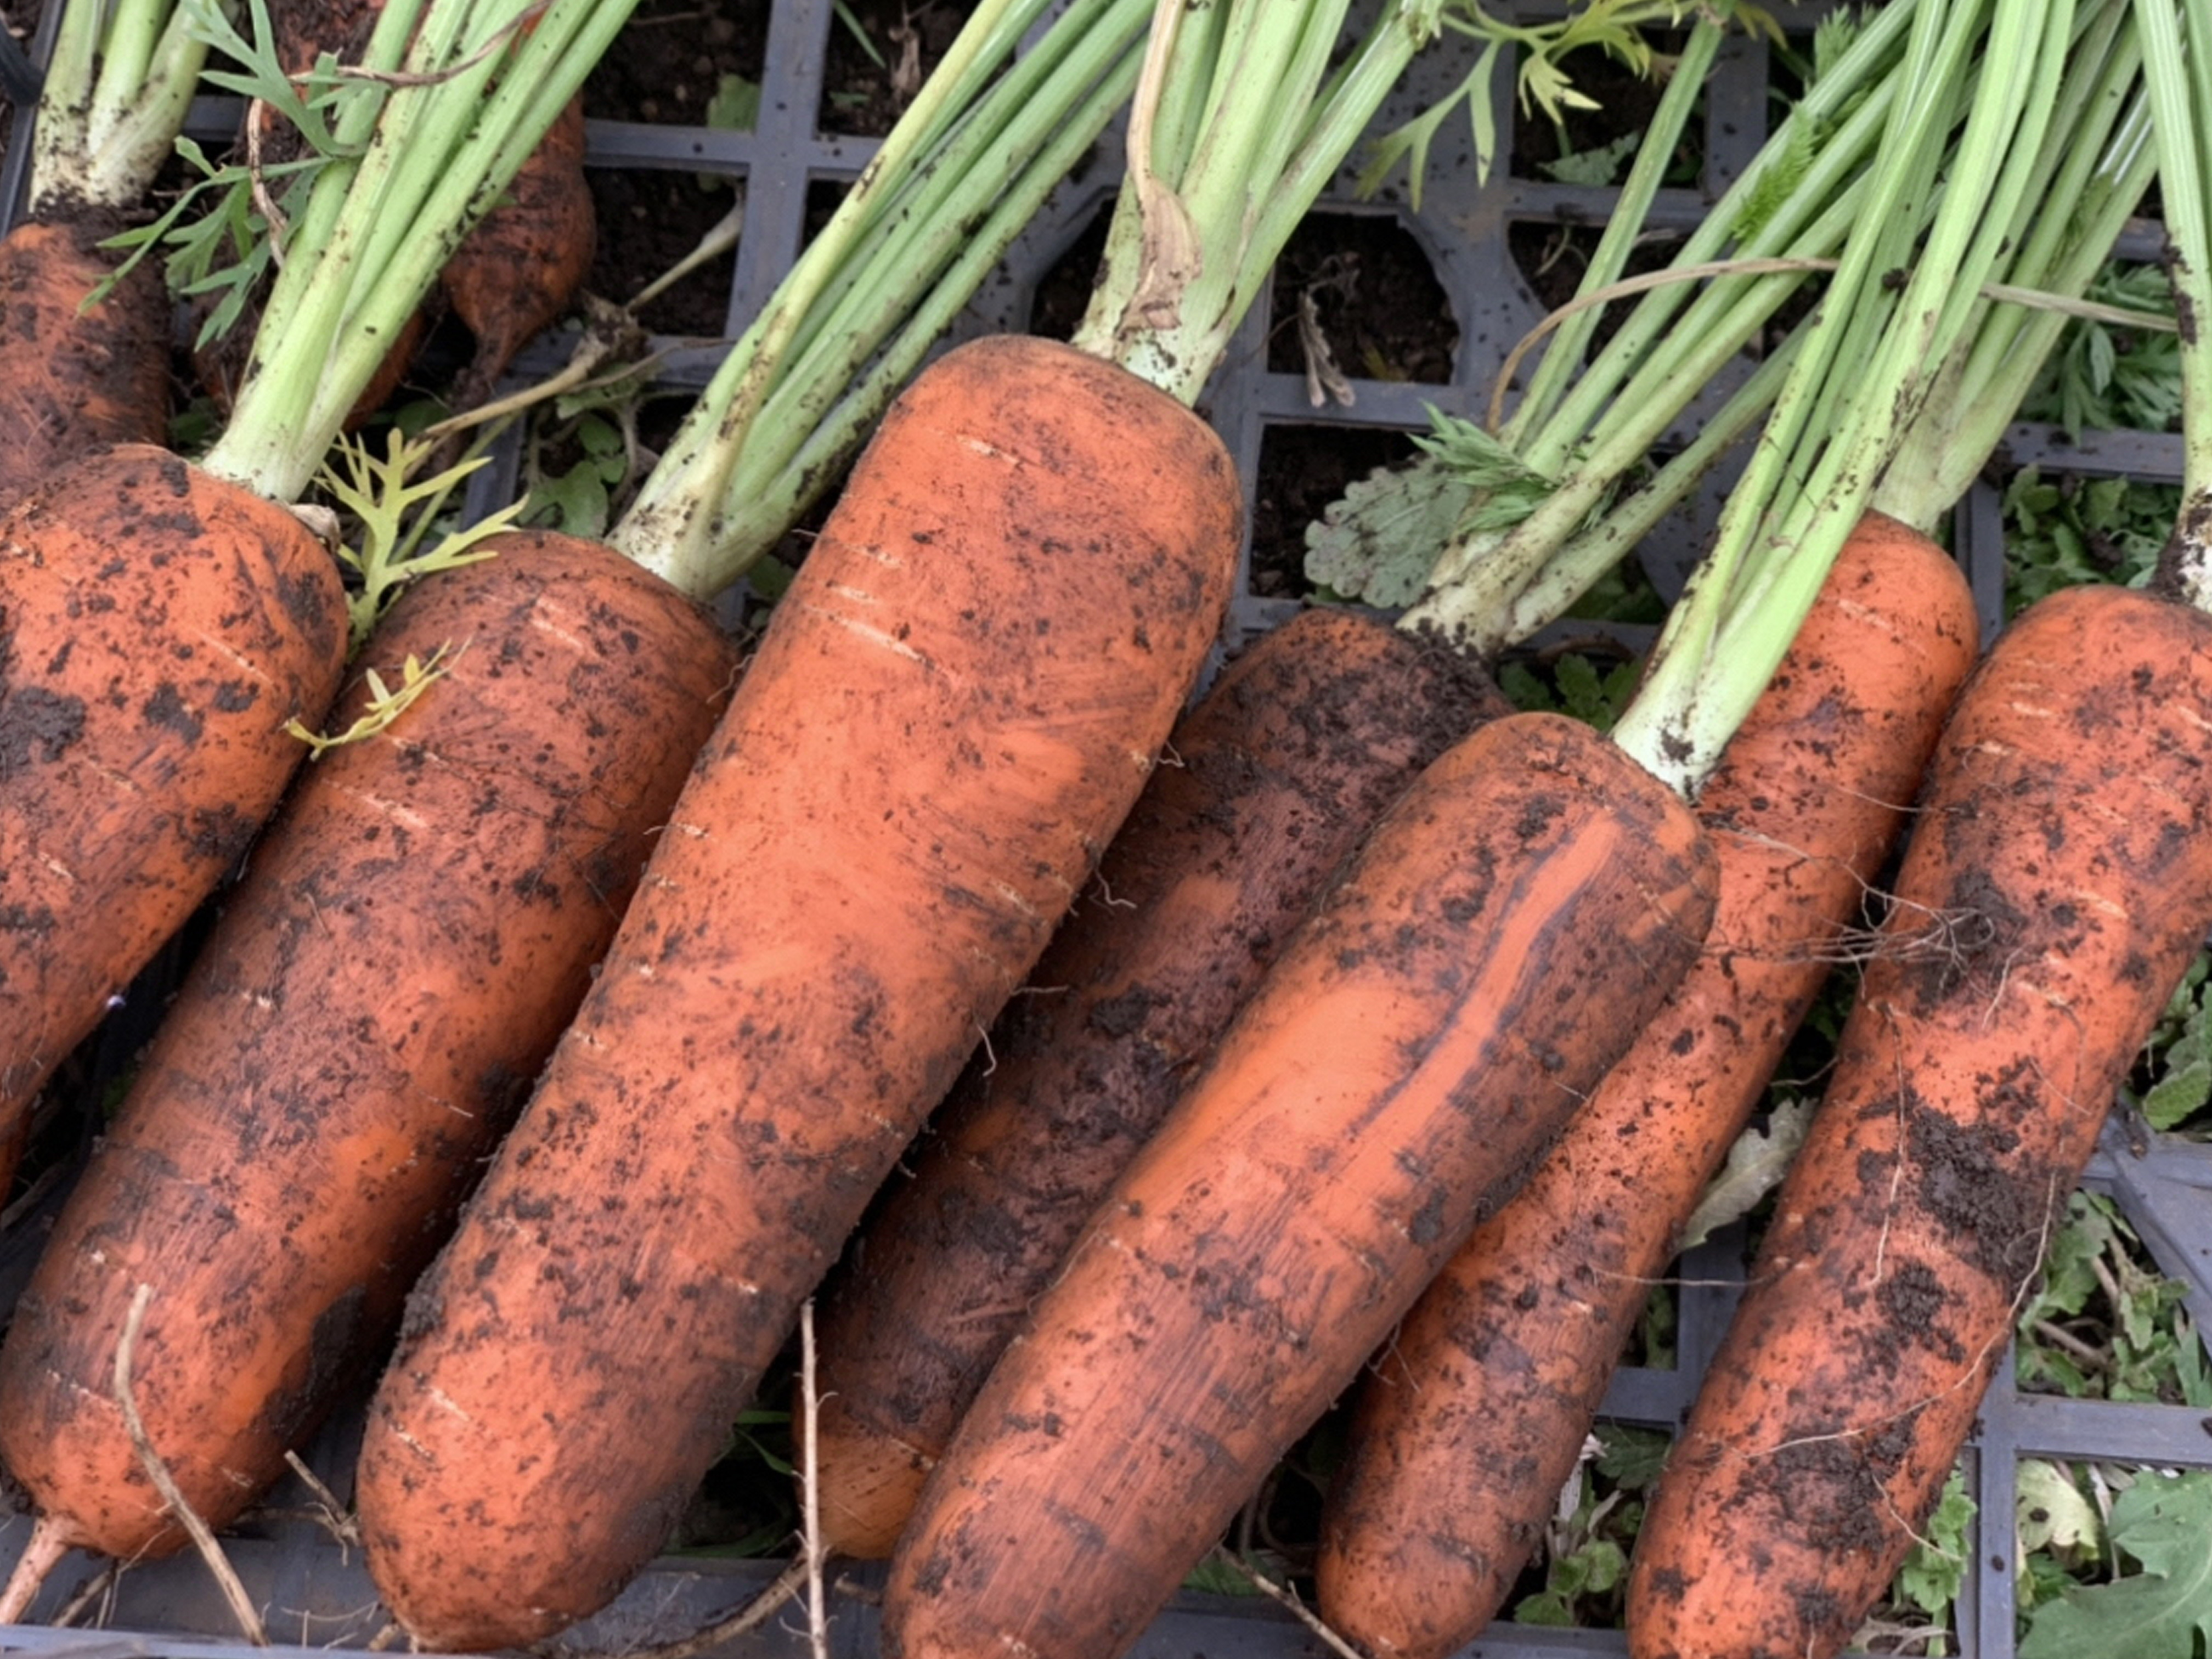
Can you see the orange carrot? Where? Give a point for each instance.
(2060, 880)
(161, 679)
(522, 267)
(1492, 948)
(414, 931)
(1289, 759)
(955, 705)
(1477, 1408)
(73, 380)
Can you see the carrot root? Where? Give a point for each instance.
(954, 707)
(158, 627)
(42, 1552)
(1287, 761)
(411, 936)
(73, 380)
(1407, 1061)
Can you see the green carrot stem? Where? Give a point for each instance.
(117, 90)
(2068, 224)
(1653, 155)
(911, 239)
(1808, 485)
(435, 155)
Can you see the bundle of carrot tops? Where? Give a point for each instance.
(573, 1015)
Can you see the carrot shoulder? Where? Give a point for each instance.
(2058, 884)
(411, 936)
(1474, 1414)
(1411, 1056)
(72, 380)
(955, 706)
(1293, 754)
(143, 704)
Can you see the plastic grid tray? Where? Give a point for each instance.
(317, 1595)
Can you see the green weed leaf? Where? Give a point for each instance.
(2162, 1611)
(1933, 1572)
(1379, 540)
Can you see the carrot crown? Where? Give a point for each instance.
(1239, 123)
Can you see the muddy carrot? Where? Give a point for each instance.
(74, 377)
(1124, 1428)
(2049, 901)
(1020, 582)
(1289, 759)
(1479, 1406)
(388, 978)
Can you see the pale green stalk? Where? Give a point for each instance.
(774, 483)
(1587, 554)
(2181, 84)
(909, 245)
(1556, 372)
(1278, 126)
(117, 91)
(2065, 233)
(1667, 351)
(1806, 488)
(377, 230)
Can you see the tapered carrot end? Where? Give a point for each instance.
(869, 1482)
(50, 1540)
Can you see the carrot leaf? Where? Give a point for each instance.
(386, 703)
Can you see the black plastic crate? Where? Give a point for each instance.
(314, 1594)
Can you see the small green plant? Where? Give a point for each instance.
(2066, 532)
(386, 703)
(2157, 1602)
(2175, 1084)
(1614, 26)
(394, 516)
(1573, 685)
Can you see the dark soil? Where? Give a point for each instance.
(668, 63)
(866, 84)
(1381, 312)
(647, 221)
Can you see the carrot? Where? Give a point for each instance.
(954, 706)
(1290, 757)
(532, 773)
(76, 377)
(497, 1519)
(2058, 890)
(1219, 858)
(522, 267)
(2055, 887)
(529, 775)
(142, 703)
(1304, 1190)
(343, 1053)
(72, 380)
(1477, 1409)
(1479, 1406)
(1186, 1342)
